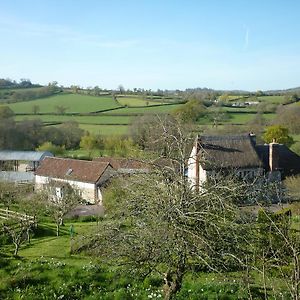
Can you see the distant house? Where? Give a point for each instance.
(87, 177)
(239, 154)
(19, 166)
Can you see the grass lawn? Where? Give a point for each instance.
(74, 103)
(46, 243)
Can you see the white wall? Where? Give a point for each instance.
(192, 167)
(88, 190)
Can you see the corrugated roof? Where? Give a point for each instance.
(233, 151)
(11, 176)
(72, 169)
(23, 155)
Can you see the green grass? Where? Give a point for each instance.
(106, 129)
(271, 99)
(93, 119)
(243, 118)
(135, 101)
(74, 103)
(47, 245)
(144, 110)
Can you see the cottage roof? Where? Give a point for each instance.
(231, 151)
(72, 169)
(289, 162)
(7, 155)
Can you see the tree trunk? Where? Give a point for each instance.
(173, 280)
(16, 249)
(57, 228)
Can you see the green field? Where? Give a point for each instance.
(136, 101)
(93, 119)
(271, 99)
(117, 121)
(74, 104)
(144, 110)
(106, 129)
(242, 118)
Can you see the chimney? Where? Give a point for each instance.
(252, 137)
(197, 144)
(274, 156)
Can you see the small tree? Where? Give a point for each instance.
(8, 194)
(17, 229)
(48, 146)
(60, 199)
(60, 109)
(35, 109)
(88, 142)
(278, 133)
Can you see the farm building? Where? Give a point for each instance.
(87, 177)
(19, 166)
(239, 154)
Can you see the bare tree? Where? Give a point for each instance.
(18, 230)
(60, 199)
(160, 225)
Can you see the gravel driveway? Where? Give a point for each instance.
(87, 210)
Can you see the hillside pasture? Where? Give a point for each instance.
(93, 119)
(271, 99)
(243, 118)
(158, 109)
(132, 101)
(106, 129)
(73, 103)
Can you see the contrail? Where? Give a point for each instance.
(246, 42)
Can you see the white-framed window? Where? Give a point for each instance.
(58, 192)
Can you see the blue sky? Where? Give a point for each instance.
(166, 44)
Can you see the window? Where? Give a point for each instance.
(58, 192)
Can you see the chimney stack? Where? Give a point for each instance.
(252, 137)
(274, 156)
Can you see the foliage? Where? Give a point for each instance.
(190, 111)
(120, 147)
(278, 133)
(48, 146)
(293, 187)
(289, 116)
(88, 142)
(6, 112)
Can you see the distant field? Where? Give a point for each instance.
(99, 119)
(21, 89)
(106, 129)
(136, 101)
(74, 103)
(271, 99)
(144, 110)
(242, 118)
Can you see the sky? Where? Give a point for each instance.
(166, 44)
